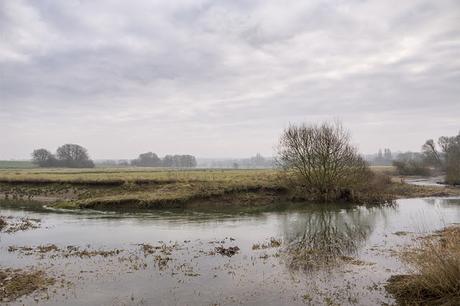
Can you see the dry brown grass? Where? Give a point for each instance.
(435, 266)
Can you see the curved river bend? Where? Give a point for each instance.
(176, 257)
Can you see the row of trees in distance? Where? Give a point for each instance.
(76, 156)
(151, 159)
(68, 155)
(254, 162)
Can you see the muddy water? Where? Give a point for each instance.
(347, 253)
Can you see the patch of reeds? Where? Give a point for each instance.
(435, 267)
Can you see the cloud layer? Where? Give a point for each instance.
(223, 78)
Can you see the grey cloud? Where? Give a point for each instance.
(223, 72)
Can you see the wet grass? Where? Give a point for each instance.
(435, 277)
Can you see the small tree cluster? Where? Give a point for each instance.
(68, 155)
(411, 163)
(441, 157)
(150, 159)
(446, 158)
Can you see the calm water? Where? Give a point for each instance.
(196, 275)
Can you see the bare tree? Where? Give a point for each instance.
(431, 155)
(148, 159)
(43, 158)
(73, 155)
(447, 159)
(322, 158)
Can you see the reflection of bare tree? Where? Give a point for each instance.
(325, 235)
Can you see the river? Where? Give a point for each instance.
(172, 257)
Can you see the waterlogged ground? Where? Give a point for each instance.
(285, 255)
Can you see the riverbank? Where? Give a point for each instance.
(135, 188)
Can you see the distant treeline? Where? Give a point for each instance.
(187, 161)
(151, 159)
(382, 158)
(257, 161)
(68, 155)
(75, 156)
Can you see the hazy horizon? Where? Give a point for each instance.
(220, 79)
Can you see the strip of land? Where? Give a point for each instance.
(140, 188)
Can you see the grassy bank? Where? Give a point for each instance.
(139, 188)
(435, 266)
(147, 188)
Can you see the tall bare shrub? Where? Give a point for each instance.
(322, 160)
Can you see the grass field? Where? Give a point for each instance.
(114, 176)
(14, 164)
(135, 187)
(158, 188)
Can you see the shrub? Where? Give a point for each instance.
(320, 161)
(411, 164)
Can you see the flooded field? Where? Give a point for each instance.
(289, 254)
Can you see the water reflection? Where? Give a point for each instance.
(327, 235)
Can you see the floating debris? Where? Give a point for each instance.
(230, 251)
(12, 225)
(66, 252)
(401, 233)
(273, 243)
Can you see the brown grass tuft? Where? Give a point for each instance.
(435, 278)
(17, 283)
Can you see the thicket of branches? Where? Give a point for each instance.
(446, 158)
(411, 163)
(322, 161)
(442, 157)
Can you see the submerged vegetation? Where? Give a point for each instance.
(435, 264)
(15, 283)
(12, 225)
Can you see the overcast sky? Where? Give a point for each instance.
(223, 78)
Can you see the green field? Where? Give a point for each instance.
(14, 164)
